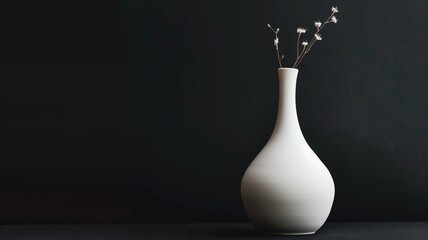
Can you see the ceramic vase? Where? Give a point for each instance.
(287, 190)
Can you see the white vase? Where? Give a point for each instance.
(287, 190)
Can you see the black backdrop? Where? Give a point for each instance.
(150, 111)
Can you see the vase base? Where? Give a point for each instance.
(292, 234)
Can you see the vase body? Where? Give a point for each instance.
(287, 189)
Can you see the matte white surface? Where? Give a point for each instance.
(287, 189)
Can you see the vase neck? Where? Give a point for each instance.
(287, 123)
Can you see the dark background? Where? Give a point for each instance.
(150, 111)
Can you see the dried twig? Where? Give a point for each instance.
(276, 44)
(306, 46)
(317, 35)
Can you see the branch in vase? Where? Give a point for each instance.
(317, 35)
(276, 44)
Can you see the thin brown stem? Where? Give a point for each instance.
(304, 47)
(277, 54)
(310, 45)
(327, 21)
(298, 41)
(305, 52)
(298, 56)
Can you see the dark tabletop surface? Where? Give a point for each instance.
(342, 231)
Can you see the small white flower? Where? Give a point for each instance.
(304, 43)
(334, 19)
(301, 30)
(275, 42)
(318, 36)
(269, 25)
(317, 24)
(334, 9)
(277, 30)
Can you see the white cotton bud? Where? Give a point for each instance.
(301, 30)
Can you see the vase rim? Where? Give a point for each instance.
(288, 69)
